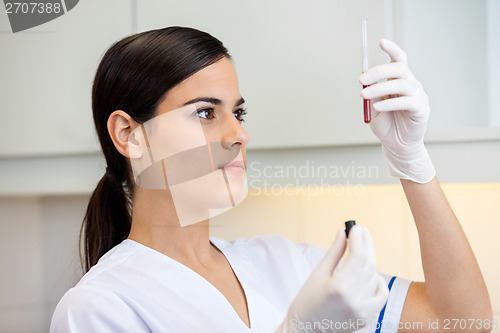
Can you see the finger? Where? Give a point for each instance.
(370, 248)
(356, 241)
(365, 262)
(394, 51)
(333, 255)
(395, 70)
(392, 87)
(375, 114)
(407, 103)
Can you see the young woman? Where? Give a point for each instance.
(148, 270)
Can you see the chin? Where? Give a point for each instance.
(239, 188)
(210, 192)
(220, 195)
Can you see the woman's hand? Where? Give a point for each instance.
(341, 299)
(400, 110)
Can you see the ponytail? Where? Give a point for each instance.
(107, 221)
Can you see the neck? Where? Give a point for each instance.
(155, 224)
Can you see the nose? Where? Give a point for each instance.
(234, 135)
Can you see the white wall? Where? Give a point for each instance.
(38, 258)
(21, 258)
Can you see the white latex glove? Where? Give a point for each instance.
(343, 299)
(399, 121)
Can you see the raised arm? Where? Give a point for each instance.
(454, 287)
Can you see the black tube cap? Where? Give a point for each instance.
(348, 225)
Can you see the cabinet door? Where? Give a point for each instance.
(450, 50)
(46, 78)
(298, 62)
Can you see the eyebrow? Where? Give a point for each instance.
(213, 100)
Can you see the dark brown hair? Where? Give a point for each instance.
(134, 75)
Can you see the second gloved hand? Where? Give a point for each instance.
(400, 111)
(344, 299)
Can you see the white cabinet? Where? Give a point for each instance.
(46, 78)
(298, 62)
(449, 45)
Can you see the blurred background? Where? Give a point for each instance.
(312, 162)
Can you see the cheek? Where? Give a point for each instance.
(212, 132)
(175, 135)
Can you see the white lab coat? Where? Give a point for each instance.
(134, 288)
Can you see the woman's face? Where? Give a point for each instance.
(195, 134)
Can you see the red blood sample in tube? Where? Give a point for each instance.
(367, 109)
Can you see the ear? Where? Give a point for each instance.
(121, 128)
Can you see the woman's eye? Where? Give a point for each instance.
(239, 114)
(206, 113)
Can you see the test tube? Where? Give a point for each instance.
(366, 102)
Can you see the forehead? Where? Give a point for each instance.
(217, 80)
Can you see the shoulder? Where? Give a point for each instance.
(86, 308)
(111, 260)
(95, 303)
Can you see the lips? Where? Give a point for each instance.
(236, 167)
(235, 163)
